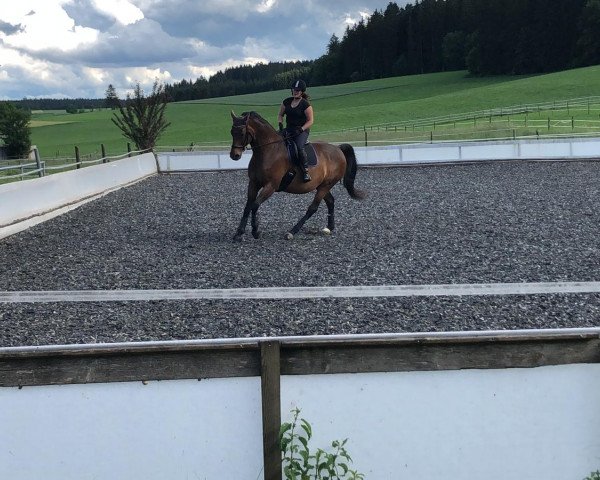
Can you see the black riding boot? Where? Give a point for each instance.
(304, 164)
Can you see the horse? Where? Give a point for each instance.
(270, 163)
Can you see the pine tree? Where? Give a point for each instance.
(111, 99)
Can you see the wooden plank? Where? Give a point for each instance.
(60, 370)
(222, 359)
(271, 408)
(321, 359)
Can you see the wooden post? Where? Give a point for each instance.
(38, 162)
(128, 149)
(572, 123)
(366, 143)
(270, 363)
(548, 123)
(77, 159)
(103, 150)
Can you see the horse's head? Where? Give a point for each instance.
(240, 134)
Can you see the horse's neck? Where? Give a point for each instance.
(266, 140)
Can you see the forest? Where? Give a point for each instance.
(484, 37)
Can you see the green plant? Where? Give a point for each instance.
(593, 476)
(300, 464)
(142, 119)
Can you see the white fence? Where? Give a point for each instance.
(547, 149)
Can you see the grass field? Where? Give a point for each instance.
(396, 102)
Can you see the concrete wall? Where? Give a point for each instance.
(25, 203)
(548, 149)
(504, 424)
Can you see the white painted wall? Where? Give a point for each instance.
(508, 424)
(550, 149)
(168, 430)
(25, 203)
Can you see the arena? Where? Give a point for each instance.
(516, 223)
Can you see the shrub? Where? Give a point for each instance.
(300, 464)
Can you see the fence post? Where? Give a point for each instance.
(572, 123)
(38, 162)
(77, 160)
(129, 149)
(548, 123)
(431, 136)
(270, 380)
(103, 150)
(366, 143)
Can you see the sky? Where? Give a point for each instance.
(76, 48)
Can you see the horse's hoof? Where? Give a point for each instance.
(289, 236)
(256, 234)
(326, 231)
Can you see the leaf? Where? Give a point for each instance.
(306, 427)
(285, 427)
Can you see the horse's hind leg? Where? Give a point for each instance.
(330, 201)
(312, 208)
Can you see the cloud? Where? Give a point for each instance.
(76, 47)
(9, 29)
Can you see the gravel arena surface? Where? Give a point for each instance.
(479, 223)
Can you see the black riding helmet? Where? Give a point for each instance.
(299, 85)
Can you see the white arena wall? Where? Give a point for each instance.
(26, 203)
(547, 149)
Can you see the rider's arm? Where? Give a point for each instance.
(281, 112)
(310, 118)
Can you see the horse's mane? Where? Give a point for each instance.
(257, 117)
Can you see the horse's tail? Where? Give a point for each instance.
(350, 174)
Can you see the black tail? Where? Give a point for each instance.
(350, 174)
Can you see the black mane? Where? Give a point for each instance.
(252, 114)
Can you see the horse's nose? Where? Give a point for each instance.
(235, 156)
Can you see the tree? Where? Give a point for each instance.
(14, 130)
(142, 119)
(111, 99)
(588, 50)
(453, 48)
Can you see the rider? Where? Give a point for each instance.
(299, 118)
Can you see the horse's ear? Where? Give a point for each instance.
(233, 115)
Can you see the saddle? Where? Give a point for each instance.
(292, 151)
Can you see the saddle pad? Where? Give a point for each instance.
(311, 154)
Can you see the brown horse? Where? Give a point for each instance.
(270, 163)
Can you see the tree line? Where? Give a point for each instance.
(485, 37)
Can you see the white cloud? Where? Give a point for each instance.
(34, 33)
(76, 48)
(121, 10)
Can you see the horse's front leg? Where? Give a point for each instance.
(252, 192)
(312, 208)
(263, 196)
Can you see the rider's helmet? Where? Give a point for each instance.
(299, 85)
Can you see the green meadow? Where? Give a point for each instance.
(384, 108)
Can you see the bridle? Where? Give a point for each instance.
(249, 138)
(247, 135)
